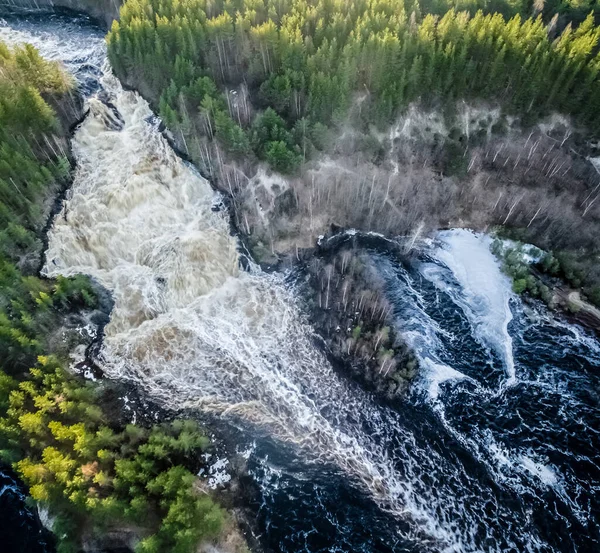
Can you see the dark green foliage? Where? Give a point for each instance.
(276, 92)
(269, 127)
(578, 268)
(26, 121)
(314, 59)
(274, 143)
(231, 135)
(454, 160)
(29, 307)
(281, 157)
(320, 136)
(550, 264)
(86, 469)
(522, 271)
(575, 267)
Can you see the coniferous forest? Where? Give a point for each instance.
(307, 62)
(278, 82)
(32, 167)
(315, 120)
(78, 456)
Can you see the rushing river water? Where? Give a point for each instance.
(495, 449)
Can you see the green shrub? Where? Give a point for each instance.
(85, 471)
(520, 285)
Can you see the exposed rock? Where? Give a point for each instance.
(69, 108)
(115, 540)
(577, 309)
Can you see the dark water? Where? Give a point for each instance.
(491, 464)
(496, 448)
(20, 528)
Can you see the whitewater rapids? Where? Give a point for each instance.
(187, 324)
(495, 449)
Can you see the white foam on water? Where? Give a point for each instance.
(523, 471)
(438, 374)
(485, 292)
(193, 329)
(61, 43)
(515, 466)
(421, 333)
(539, 470)
(218, 475)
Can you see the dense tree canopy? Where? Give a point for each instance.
(27, 165)
(61, 442)
(30, 168)
(312, 60)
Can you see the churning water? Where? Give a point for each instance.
(496, 449)
(20, 530)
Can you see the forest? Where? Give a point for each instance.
(435, 112)
(91, 469)
(307, 63)
(312, 97)
(32, 168)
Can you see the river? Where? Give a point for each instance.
(496, 447)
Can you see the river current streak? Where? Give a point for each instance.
(496, 447)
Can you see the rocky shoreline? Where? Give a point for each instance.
(540, 276)
(270, 216)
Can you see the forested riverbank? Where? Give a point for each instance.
(104, 481)
(333, 114)
(287, 109)
(34, 169)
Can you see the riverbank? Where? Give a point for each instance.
(578, 310)
(537, 274)
(81, 443)
(471, 167)
(439, 163)
(411, 190)
(339, 470)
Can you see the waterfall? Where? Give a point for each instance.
(500, 425)
(483, 293)
(187, 324)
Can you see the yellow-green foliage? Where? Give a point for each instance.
(30, 309)
(27, 166)
(85, 469)
(29, 306)
(75, 459)
(24, 77)
(309, 58)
